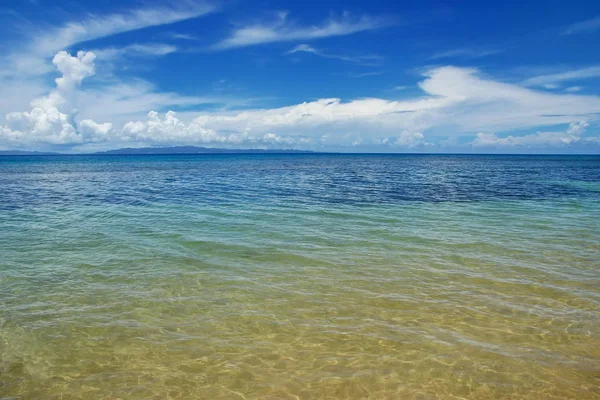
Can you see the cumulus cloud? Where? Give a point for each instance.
(93, 131)
(170, 130)
(459, 100)
(282, 30)
(39, 125)
(577, 128)
(73, 70)
(553, 139)
(50, 121)
(406, 139)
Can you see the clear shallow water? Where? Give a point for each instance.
(299, 276)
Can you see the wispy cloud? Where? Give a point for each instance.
(573, 89)
(364, 60)
(550, 86)
(364, 74)
(465, 52)
(587, 26)
(95, 27)
(133, 50)
(551, 80)
(30, 58)
(183, 36)
(283, 30)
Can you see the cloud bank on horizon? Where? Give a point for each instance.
(116, 85)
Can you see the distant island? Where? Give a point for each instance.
(163, 150)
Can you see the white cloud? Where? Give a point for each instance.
(24, 66)
(551, 80)
(281, 30)
(363, 60)
(540, 139)
(474, 103)
(95, 26)
(47, 122)
(577, 128)
(73, 69)
(364, 74)
(573, 89)
(39, 125)
(183, 36)
(43, 42)
(170, 130)
(410, 139)
(550, 86)
(17, 94)
(94, 132)
(465, 52)
(407, 139)
(458, 100)
(587, 26)
(121, 102)
(135, 50)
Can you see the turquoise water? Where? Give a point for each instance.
(299, 276)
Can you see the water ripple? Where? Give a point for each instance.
(300, 276)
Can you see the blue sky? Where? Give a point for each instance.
(352, 76)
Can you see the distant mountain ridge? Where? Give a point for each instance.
(162, 150)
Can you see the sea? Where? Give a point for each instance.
(299, 276)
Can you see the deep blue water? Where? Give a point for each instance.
(27, 181)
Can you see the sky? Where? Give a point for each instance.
(345, 76)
